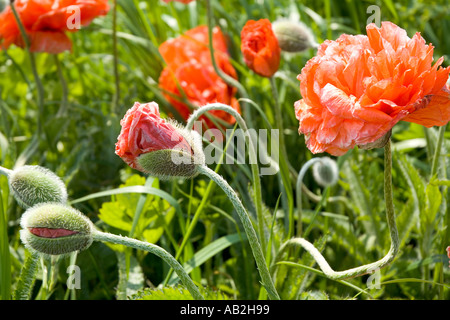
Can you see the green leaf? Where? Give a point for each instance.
(208, 252)
(176, 293)
(155, 215)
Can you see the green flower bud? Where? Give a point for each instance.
(31, 185)
(293, 36)
(326, 172)
(55, 228)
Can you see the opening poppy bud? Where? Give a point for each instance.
(55, 228)
(174, 163)
(326, 172)
(292, 36)
(260, 47)
(31, 185)
(156, 146)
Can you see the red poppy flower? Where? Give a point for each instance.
(189, 66)
(45, 22)
(144, 131)
(260, 48)
(358, 87)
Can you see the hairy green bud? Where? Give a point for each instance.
(55, 228)
(293, 36)
(175, 163)
(326, 172)
(31, 185)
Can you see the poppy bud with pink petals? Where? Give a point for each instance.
(55, 228)
(156, 146)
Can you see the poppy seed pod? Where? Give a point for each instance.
(326, 172)
(292, 36)
(55, 228)
(31, 185)
(158, 147)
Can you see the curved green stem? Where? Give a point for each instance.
(27, 277)
(299, 190)
(250, 231)
(5, 172)
(252, 154)
(156, 250)
(390, 215)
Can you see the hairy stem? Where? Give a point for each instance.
(250, 231)
(252, 155)
(437, 151)
(27, 277)
(156, 250)
(368, 268)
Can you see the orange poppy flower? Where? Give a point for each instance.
(189, 66)
(358, 87)
(45, 22)
(260, 48)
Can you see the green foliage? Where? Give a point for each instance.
(176, 293)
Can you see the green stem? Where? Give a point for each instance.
(390, 215)
(63, 107)
(225, 77)
(197, 214)
(283, 159)
(5, 172)
(5, 255)
(252, 155)
(299, 192)
(39, 86)
(250, 231)
(437, 151)
(27, 277)
(156, 250)
(116, 60)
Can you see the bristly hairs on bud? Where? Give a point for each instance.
(325, 172)
(293, 36)
(31, 185)
(175, 163)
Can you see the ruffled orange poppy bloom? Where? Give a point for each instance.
(189, 66)
(260, 47)
(358, 87)
(45, 22)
